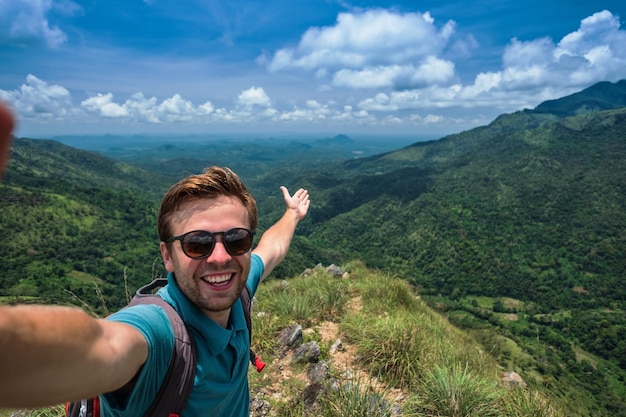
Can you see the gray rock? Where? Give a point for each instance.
(334, 270)
(308, 352)
(318, 372)
(290, 336)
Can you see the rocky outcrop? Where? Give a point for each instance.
(294, 353)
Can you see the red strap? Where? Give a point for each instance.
(96, 406)
(259, 364)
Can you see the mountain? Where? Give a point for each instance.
(600, 96)
(519, 224)
(513, 231)
(529, 207)
(338, 140)
(74, 222)
(42, 163)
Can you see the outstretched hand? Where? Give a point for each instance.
(299, 202)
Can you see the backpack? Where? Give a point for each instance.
(173, 394)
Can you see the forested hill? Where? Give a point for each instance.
(521, 224)
(531, 206)
(601, 96)
(515, 230)
(75, 226)
(44, 164)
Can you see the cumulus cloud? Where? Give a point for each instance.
(431, 71)
(372, 49)
(532, 71)
(104, 105)
(139, 108)
(400, 66)
(37, 98)
(27, 20)
(254, 96)
(595, 52)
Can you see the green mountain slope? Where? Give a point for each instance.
(601, 96)
(44, 163)
(516, 228)
(515, 231)
(75, 225)
(506, 213)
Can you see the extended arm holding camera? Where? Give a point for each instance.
(51, 354)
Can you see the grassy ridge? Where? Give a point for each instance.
(401, 347)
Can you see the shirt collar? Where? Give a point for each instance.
(204, 330)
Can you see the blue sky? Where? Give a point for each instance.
(265, 67)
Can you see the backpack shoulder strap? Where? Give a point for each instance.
(178, 383)
(246, 302)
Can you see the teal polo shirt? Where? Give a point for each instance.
(221, 380)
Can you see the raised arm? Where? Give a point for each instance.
(50, 355)
(274, 244)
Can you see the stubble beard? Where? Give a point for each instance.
(217, 301)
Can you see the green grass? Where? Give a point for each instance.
(355, 399)
(455, 391)
(401, 344)
(57, 411)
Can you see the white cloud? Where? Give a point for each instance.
(103, 104)
(254, 96)
(526, 54)
(138, 108)
(391, 85)
(532, 72)
(595, 52)
(380, 102)
(141, 108)
(370, 77)
(176, 109)
(27, 20)
(38, 99)
(432, 118)
(431, 71)
(600, 28)
(373, 49)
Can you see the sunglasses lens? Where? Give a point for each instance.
(198, 244)
(238, 241)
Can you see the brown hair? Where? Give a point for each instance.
(214, 182)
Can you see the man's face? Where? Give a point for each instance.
(214, 283)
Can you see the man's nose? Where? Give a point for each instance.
(219, 254)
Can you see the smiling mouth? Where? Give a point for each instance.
(218, 279)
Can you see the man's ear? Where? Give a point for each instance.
(167, 257)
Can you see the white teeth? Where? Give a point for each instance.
(217, 279)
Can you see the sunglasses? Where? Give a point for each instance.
(199, 244)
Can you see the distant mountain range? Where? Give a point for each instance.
(527, 215)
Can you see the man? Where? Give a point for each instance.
(51, 354)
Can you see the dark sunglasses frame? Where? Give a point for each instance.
(231, 245)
